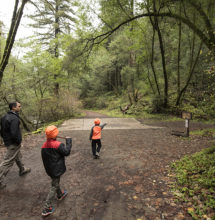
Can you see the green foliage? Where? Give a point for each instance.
(52, 18)
(122, 69)
(113, 13)
(209, 132)
(157, 104)
(42, 128)
(195, 182)
(123, 62)
(32, 83)
(197, 112)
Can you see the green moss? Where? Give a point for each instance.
(195, 181)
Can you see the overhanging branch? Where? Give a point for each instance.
(207, 41)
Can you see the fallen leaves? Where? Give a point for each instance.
(128, 182)
(190, 209)
(138, 188)
(109, 188)
(135, 197)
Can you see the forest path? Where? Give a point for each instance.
(128, 182)
(112, 123)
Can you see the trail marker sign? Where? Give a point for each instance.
(187, 116)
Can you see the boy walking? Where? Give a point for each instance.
(53, 156)
(95, 137)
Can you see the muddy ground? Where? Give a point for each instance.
(128, 182)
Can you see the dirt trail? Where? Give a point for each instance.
(128, 182)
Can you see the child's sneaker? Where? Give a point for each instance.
(63, 195)
(48, 211)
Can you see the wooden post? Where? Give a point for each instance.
(187, 122)
(187, 116)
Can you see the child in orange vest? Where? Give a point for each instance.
(95, 136)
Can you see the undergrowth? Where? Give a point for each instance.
(42, 128)
(195, 183)
(144, 115)
(209, 132)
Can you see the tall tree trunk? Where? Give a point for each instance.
(152, 60)
(116, 79)
(118, 82)
(16, 18)
(57, 29)
(152, 53)
(148, 77)
(0, 38)
(192, 65)
(179, 56)
(189, 77)
(56, 49)
(165, 101)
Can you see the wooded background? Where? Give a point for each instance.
(155, 56)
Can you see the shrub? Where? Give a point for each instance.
(195, 182)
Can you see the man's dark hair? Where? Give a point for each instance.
(12, 105)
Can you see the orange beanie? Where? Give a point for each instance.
(51, 132)
(97, 121)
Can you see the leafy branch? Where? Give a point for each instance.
(208, 41)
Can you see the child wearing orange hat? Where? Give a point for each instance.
(53, 153)
(95, 137)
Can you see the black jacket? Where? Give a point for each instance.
(10, 129)
(53, 153)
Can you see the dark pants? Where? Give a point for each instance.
(55, 189)
(96, 146)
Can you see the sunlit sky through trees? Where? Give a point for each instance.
(6, 11)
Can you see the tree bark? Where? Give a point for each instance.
(179, 56)
(56, 49)
(157, 28)
(152, 59)
(16, 18)
(0, 38)
(148, 77)
(192, 68)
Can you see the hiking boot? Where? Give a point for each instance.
(48, 211)
(23, 172)
(2, 186)
(63, 195)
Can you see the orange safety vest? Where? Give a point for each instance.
(96, 133)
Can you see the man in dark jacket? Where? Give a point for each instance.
(12, 137)
(53, 156)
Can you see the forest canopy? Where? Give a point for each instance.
(147, 56)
